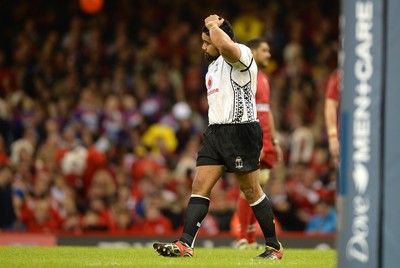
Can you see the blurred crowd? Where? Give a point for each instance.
(101, 115)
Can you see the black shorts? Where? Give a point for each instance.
(236, 146)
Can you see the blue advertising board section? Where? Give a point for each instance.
(391, 165)
(361, 131)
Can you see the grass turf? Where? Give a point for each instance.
(63, 256)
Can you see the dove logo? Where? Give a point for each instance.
(360, 178)
(357, 247)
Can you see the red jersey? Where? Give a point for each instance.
(263, 110)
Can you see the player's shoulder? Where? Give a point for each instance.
(244, 48)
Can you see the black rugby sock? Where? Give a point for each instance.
(196, 211)
(265, 218)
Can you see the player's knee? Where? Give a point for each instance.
(200, 189)
(251, 192)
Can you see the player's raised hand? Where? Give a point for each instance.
(213, 20)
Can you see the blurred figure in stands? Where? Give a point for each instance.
(284, 207)
(70, 216)
(41, 217)
(123, 222)
(155, 222)
(324, 220)
(8, 217)
(97, 217)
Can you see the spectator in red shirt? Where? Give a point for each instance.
(305, 189)
(70, 216)
(4, 160)
(42, 218)
(123, 221)
(97, 217)
(155, 222)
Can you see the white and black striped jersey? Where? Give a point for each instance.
(231, 89)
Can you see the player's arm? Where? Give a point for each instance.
(275, 140)
(331, 107)
(226, 47)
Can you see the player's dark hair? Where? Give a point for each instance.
(226, 27)
(255, 43)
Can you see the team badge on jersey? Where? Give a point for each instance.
(209, 82)
(238, 163)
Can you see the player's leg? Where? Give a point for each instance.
(205, 179)
(196, 210)
(252, 221)
(244, 214)
(249, 184)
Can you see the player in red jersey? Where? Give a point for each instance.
(271, 151)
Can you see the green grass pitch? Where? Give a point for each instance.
(66, 256)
